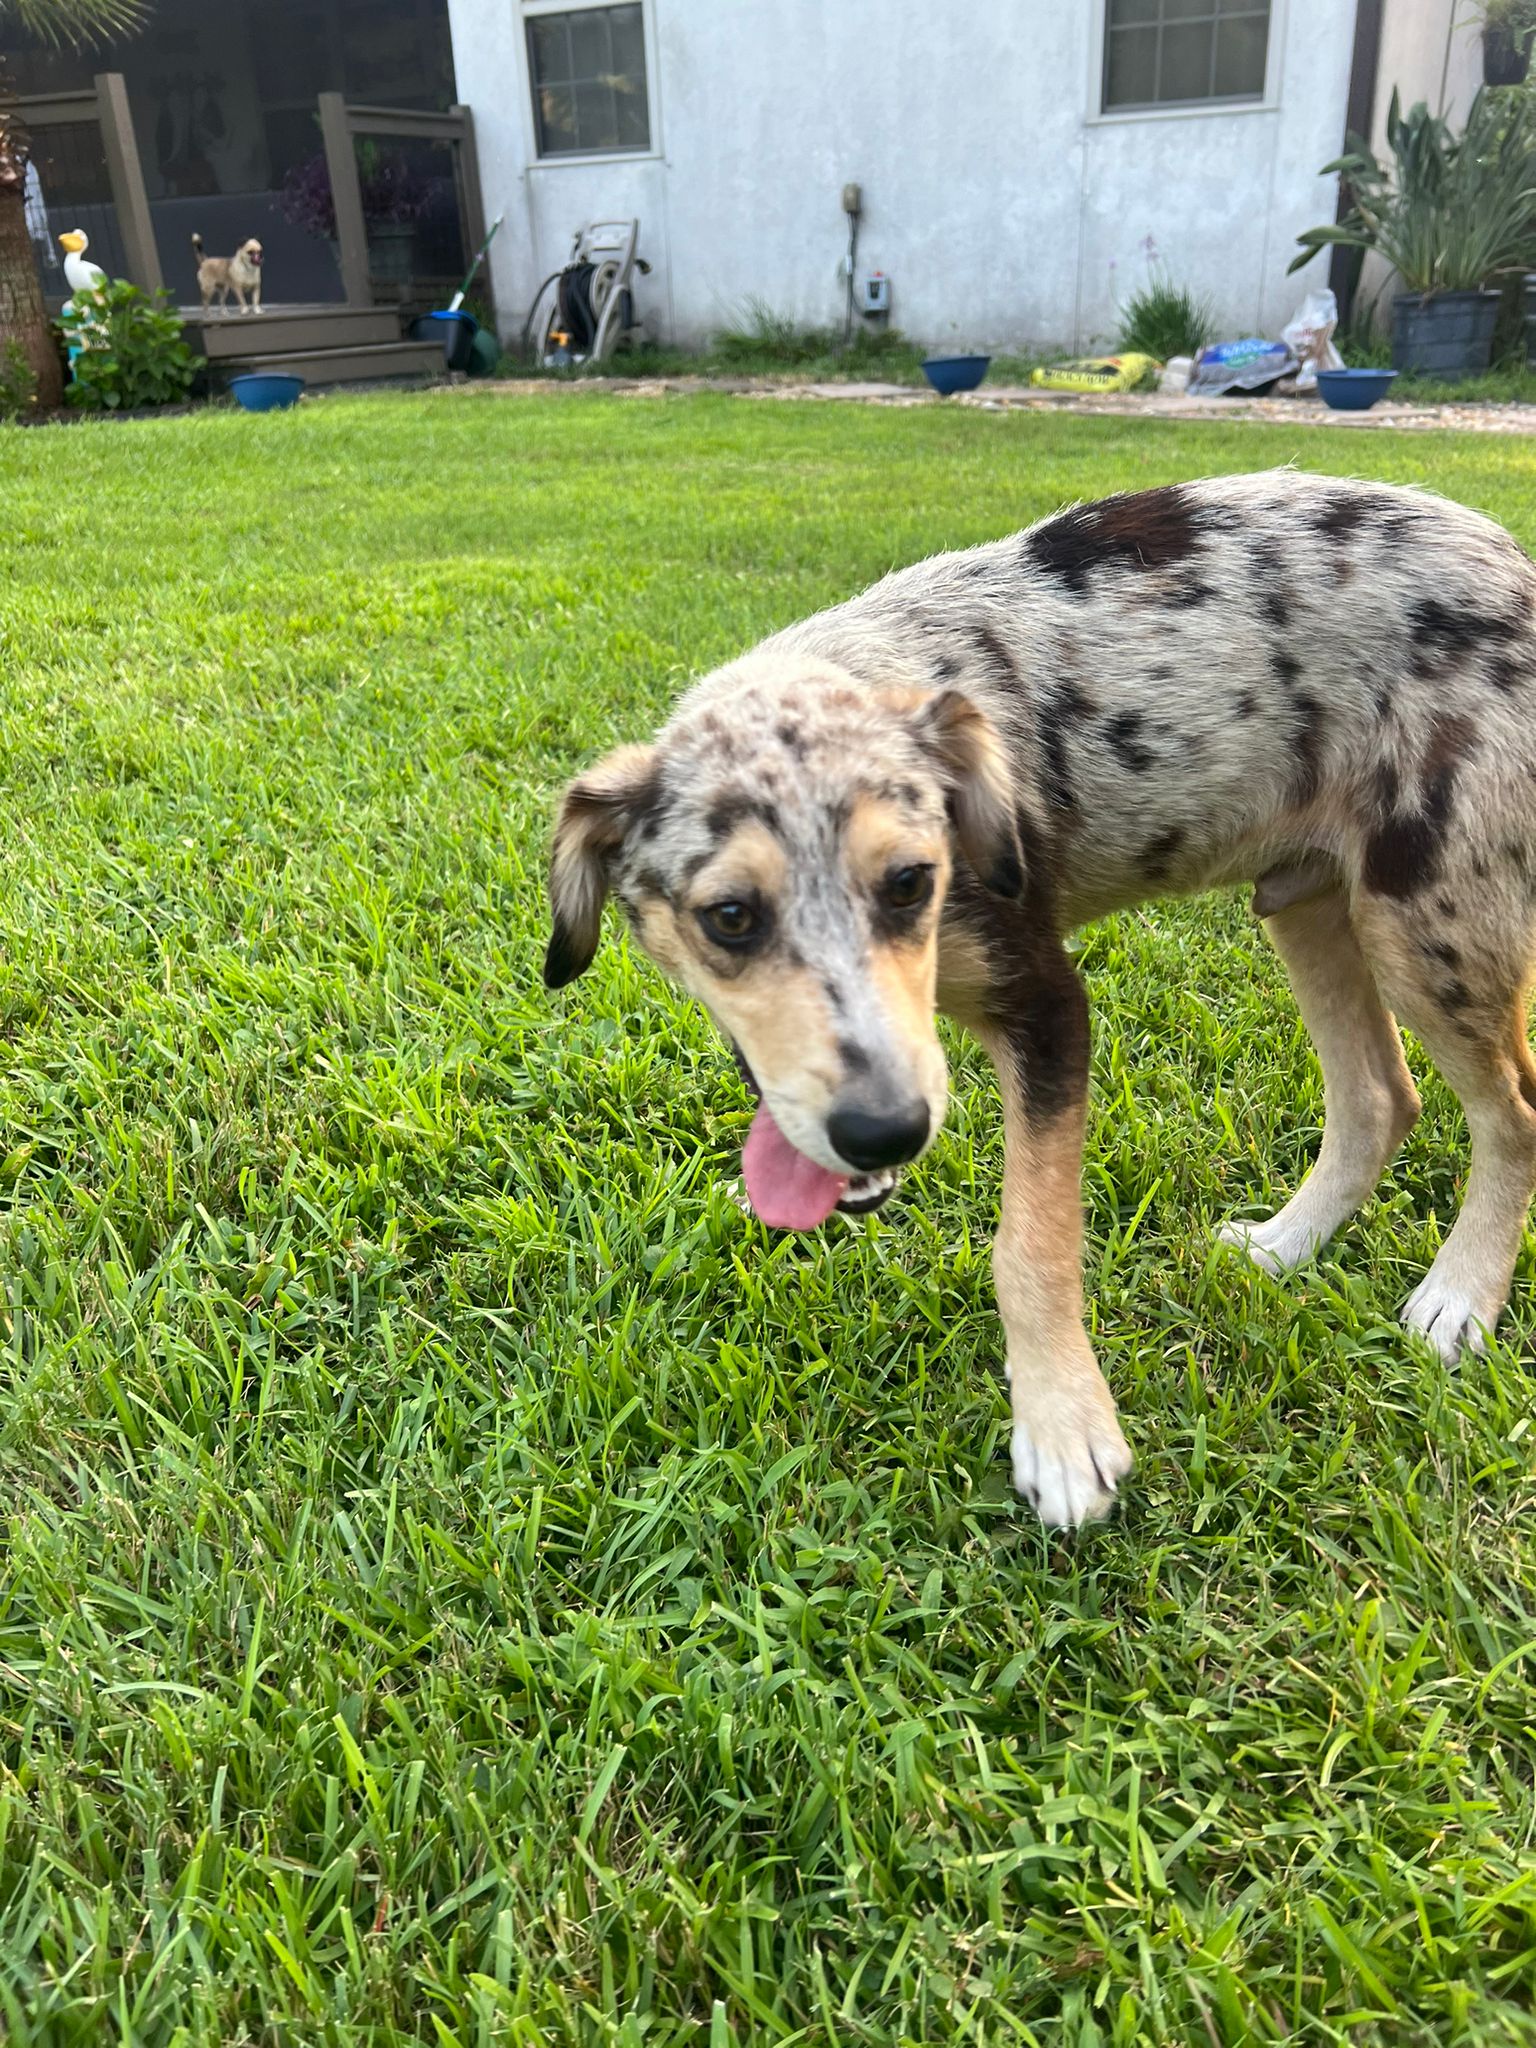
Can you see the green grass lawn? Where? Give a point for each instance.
(463, 1581)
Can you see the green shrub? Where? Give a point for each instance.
(18, 382)
(1162, 319)
(132, 353)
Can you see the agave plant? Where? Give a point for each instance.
(1448, 212)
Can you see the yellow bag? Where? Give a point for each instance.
(1098, 373)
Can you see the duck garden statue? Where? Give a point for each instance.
(85, 280)
(80, 275)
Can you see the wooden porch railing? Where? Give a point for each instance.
(105, 103)
(341, 123)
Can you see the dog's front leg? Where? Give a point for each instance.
(1068, 1452)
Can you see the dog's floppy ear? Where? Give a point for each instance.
(596, 812)
(963, 744)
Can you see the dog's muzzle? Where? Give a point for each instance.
(866, 1191)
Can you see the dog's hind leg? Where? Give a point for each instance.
(1369, 1099)
(1464, 997)
(1068, 1451)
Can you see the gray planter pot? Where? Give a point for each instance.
(391, 247)
(1448, 335)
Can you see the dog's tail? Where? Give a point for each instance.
(197, 247)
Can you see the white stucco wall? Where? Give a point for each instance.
(1004, 210)
(1431, 50)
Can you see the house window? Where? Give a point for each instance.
(587, 68)
(1175, 53)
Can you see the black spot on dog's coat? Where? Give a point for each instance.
(1065, 708)
(1121, 733)
(1141, 530)
(1402, 855)
(1307, 747)
(792, 739)
(1508, 673)
(1245, 705)
(1446, 905)
(1005, 877)
(999, 659)
(1276, 609)
(906, 793)
(1442, 636)
(1183, 597)
(854, 1058)
(1285, 665)
(1159, 854)
(1048, 1034)
(1345, 513)
(727, 812)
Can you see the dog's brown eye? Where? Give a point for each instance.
(908, 888)
(730, 924)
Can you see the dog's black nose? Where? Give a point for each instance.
(871, 1138)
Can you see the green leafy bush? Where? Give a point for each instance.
(132, 353)
(1450, 212)
(1163, 319)
(18, 382)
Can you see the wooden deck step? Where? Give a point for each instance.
(364, 363)
(292, 328)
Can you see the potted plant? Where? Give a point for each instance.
(1451, 214)
(394, 199)
(1508, 26)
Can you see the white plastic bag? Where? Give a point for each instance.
(1309, 337)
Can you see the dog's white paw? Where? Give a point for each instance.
(1068, 1458)
(1276, 1247)
(1448, 1316)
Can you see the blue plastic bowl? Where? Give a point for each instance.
(1353, 390)
(266, 390)
(949, 374)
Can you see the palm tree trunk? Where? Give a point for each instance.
(23, 316)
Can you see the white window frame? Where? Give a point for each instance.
(526, 11)
(1100, 116)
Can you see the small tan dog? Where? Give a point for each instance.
(240, 273)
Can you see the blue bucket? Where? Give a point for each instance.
(456, 332)
(266, 390)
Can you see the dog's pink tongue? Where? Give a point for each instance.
(788, 1191)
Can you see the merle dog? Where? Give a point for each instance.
(907, 802)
